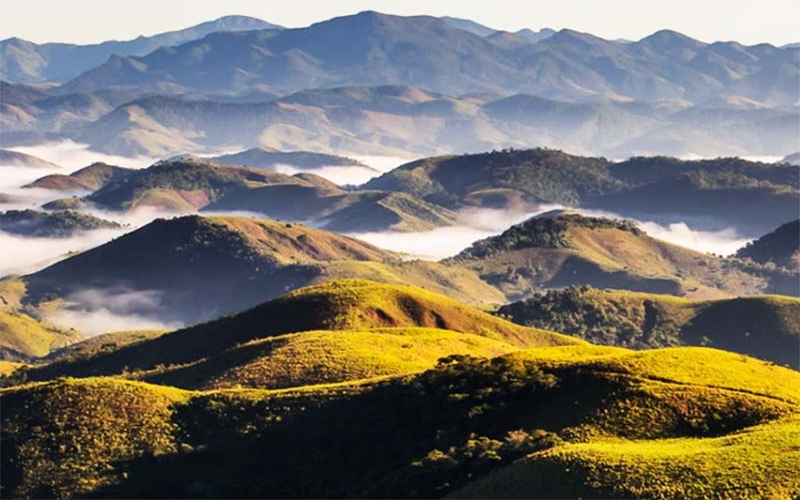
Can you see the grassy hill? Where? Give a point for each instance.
(781, 247)
(22, 336)
(766, 327)
(561, 249)
(88, 178)
(60, 224)
(348, 312)
(564, 421)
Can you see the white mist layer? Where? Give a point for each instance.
(99, 311)
(23, 255)
(440, 243)
(93, 323)
(723, 242)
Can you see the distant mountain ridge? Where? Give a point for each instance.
(370, 48)
(27, 62)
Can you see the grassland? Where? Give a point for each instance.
(568, 421)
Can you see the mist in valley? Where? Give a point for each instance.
(97, 311)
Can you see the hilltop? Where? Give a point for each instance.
(384, 317)
(195, 268)
(560, 249)
(90, 178)
(60, 224)
(765, 327)
(557, 422)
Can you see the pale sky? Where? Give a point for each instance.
(90, 21)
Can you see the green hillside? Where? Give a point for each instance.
(767, 327)
(560, 249)
(194, 357)
(547, 422)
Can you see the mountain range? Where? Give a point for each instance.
(391, 85)
(370, 48)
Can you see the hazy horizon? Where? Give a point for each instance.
(85, 22)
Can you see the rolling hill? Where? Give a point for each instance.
(62, 224)
(765, 327)
(194, 268)
(350, 320)
(560, 249)
(556, 422)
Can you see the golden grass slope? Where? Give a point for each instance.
(688, 423)
(760, 462)
(326, 357)
(668, 423)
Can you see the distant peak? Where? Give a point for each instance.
(571, 36)
(669, 36)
